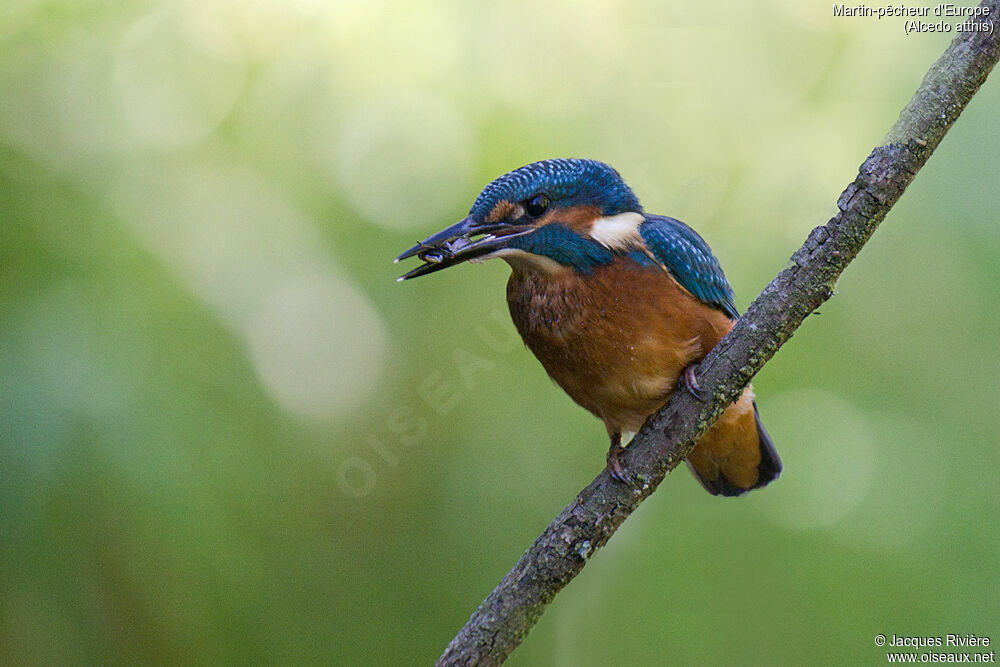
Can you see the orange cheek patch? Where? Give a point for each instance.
(578, 218)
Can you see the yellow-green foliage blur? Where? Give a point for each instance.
(227, 435)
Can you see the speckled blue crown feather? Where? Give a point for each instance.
(565, 181)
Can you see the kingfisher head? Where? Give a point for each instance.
(548, 215)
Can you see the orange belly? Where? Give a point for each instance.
(617, 340)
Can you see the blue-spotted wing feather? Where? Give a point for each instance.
(689, 260)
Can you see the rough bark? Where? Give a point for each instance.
(502, 621)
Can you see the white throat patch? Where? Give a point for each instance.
(617, 231)
(526, 260)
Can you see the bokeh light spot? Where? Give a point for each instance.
(828, 450)
(907, 457)
(173, 91)
(404, 160)
(235, 30)
(317, 343)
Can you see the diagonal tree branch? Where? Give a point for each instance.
(502, 621)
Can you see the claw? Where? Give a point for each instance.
(615, 468)
(690, 382)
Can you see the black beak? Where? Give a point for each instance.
(457, 244)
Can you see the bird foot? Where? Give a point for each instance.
(615, 468)
(690, 383)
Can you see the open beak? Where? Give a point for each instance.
(462, 241)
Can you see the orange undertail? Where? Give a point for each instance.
(736, 454)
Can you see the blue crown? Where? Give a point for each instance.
(566, 182)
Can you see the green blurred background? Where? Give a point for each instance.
(228, 435)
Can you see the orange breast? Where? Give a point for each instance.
(617, 340)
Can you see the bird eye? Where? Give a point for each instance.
(537, 205)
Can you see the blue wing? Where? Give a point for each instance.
(689, 260)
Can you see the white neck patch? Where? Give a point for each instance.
(617, 231)
(530, 261)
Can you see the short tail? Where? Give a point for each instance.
(770, 463)
(715, 481)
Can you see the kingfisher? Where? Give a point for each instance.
(617, 304)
